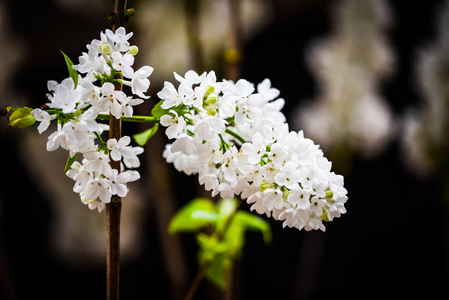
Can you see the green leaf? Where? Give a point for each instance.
(143, 137)
(73, 74)
(216, 255)
(70, 161)
(193, 216)
(226, 207)
(235, 239)
(158, 111)
(219, 271)
(252, 222)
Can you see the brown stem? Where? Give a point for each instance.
(196, 282)
(113, 209)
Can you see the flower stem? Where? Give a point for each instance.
(136, 119)
(235, 135)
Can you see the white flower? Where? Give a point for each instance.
(175, 125)
(289, 176)
(290, 217)
(93, 204)
(65, 96)
(139, 80)
(92, 64)
(170, 96)
(210, 151)
(230, 164)
(118, 183)
(210, 181)
(299, 198)
(120, 38)
(249, 108)
(98, 188)
(255, 150)
(317, 205)
(190, 78)
(120, 148)
(44, 117)
(278, 155)
(133, 161)
(127, 105)
(266, 91)
(97, 162)
(208, 127)
(122, 62)
(257, 200)
(110, 100)
(185, 144)
(255, 174)
(273, 199)
(81, 175)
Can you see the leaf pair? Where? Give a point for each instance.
(219, 249)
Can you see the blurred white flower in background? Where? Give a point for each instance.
(349, 113)
(425, 139)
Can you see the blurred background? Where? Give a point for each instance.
(368, 80)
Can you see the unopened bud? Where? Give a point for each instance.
(264, 185)
(133, 50)
(105, 48)
(211, 100)
(210, 89)
(325, 216)
(19, 117)
(329, 194)
(286, 193)
(211, 111)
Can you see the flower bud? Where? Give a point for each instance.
(210, 89)
(105, 48)
(329, 194)
(265, 185)
(211, 100)
(286, 192)
(19, 117)
(325, 216)
(211, 111)
(133, 50)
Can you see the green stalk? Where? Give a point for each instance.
(235, 135)
(136, 119)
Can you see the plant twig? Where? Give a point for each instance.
(113, 209)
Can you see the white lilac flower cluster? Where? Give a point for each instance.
(236, 139)
(76, 103)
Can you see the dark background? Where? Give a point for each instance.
(391, 243)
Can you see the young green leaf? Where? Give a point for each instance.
(252, 222)
(73, 74)
(143, 137)
(219, 270)
(193, 216)
(158, 111)
(70, 161)
(225, 207)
